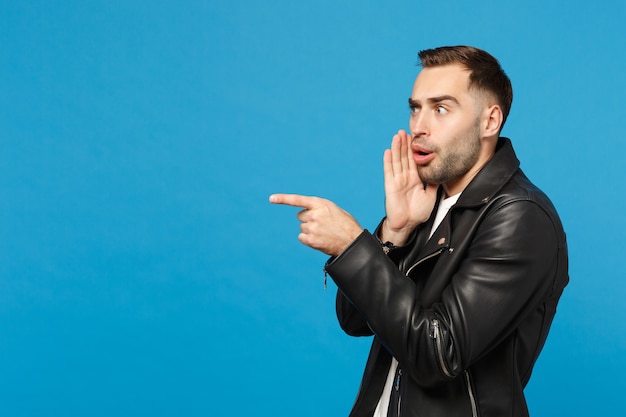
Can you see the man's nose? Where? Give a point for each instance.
(419, 124)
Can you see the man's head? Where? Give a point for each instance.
(486, 74)
(458, 106)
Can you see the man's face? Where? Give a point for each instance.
(445, 126)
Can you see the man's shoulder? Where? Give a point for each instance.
(521, 190)
(521, 187)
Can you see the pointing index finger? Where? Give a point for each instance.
(295, 200)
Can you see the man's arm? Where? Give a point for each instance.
(505, 273)
(329, 229)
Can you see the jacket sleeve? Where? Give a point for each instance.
(351, 320)
(507, 269)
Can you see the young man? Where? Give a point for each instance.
(459, 283)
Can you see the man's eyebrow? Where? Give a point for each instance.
(439, 99)
(413, 103)
(433, 100)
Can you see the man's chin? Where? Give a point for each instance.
(426, 174)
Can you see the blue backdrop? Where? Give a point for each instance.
(142, 270)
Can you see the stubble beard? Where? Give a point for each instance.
(454, 162)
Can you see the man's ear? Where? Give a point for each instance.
(492, 121)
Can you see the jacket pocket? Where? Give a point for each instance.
(437, 337)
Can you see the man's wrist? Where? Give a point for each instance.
(392, 237)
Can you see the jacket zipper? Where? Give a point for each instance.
(432, 255)
(470, 392)
(436, 335)
(399, 401)
(397, 388)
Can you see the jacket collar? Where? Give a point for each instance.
(483, 187)
(497, 172)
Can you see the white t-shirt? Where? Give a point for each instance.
(383, 403)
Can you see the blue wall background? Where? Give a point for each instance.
(142, 270)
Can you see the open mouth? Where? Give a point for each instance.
(422, 156)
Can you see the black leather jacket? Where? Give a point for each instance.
(468, 323)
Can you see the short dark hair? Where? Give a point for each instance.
(485, 71)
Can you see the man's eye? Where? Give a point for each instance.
(414, 109)
(441, 110)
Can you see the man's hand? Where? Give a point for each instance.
(408, 203)
(325, 226)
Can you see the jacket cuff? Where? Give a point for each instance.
(361, 253)
(394, 252)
